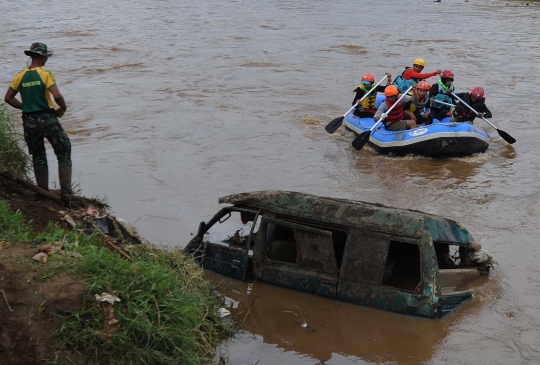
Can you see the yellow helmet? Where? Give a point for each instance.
(419, 62)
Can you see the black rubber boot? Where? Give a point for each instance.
(42, 178)
(64, 174)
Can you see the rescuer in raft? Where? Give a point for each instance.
(397, 119)
(418, 107)
(440, 92)
(367, 107)
(476, 100)
(413, 75)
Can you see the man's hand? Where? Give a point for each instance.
(480, 115)
(59, 112)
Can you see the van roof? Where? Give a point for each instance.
(355, 213)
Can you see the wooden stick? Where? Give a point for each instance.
(47, 194)
(11, 310)
(29, 185)
(108, 240)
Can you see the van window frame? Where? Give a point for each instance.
(295, 225)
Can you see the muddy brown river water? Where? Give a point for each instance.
(173, 104)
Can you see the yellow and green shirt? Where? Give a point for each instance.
(34, 85)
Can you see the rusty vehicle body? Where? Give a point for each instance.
(368, 254)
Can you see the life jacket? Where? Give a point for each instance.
(443, 96)
(370, 101)
(402, 84)
(463, 113)
(417, 107)
(395, 114)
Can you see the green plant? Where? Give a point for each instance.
(12, 225)
(13, 157)
(168, 312)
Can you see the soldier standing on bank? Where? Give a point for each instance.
(40, 120)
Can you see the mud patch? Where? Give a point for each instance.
(38, 211)
(29, 308)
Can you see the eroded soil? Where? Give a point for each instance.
(31, 309)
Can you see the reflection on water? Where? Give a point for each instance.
(172, 104)
(275, 315)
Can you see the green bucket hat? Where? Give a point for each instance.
(38, 48)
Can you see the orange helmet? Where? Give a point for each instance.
(423, 85)
(368, 77)
(391, 90)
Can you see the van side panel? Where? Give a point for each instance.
(228, 261)
(361, 278)
(310, 266)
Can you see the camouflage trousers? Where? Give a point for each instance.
(37, 127)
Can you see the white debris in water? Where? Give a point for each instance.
(481, 256)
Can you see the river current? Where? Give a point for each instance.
(172, 104)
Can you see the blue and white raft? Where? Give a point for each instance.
(440, 139)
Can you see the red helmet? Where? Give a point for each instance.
(368, 77)
(478, 92)
(447, 74)
(423, 85)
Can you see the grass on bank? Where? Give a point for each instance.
(13, 157)
(168, 313)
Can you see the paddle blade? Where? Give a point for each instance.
(334, 125)
(361, 140)
(508, 138)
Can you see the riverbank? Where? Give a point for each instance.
(76, 290)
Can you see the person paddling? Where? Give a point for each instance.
(397, 119)
(367, 107)
(476, 100)
(440, 92)
(419, 107)
(40, 119)
(413, 75)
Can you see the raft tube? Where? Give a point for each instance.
(440, 139)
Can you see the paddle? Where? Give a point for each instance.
(508, 138)
(362, 139)
(336, 123)
(442, 102)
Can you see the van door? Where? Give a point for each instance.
(382, 273)
(296, 256)
(223, 244)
